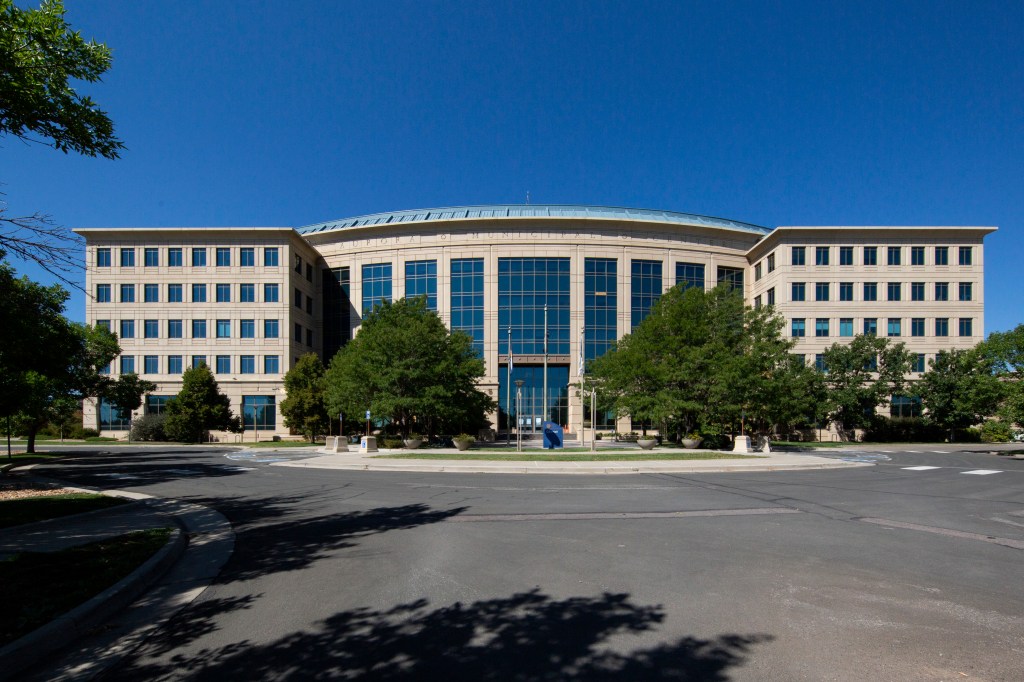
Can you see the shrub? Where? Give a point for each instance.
(994, 431)
(149, 427)
(86, 433)
(904, 430)
(464, 438)
(391, 443)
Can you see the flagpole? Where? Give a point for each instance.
(583, 388)
(546, 417)
(508, 394)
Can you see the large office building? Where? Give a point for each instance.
(250, 301)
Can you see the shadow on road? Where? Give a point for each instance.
(527, 636)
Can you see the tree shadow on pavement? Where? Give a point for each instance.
(528, 636)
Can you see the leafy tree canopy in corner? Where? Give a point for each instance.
(199, 407)
(959, 389)
(1006, 351)
(405, 366)
(303, 408)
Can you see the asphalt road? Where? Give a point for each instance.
(888, 572)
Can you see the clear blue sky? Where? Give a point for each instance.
(787, 113)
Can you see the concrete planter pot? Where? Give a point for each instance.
(462, 444)
(646, 443)
(412, 443)
(692, 443)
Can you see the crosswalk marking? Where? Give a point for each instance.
(922, 468)
(981, 472)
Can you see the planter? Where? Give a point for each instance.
(692, 443)
(646, 443)
(412, 443)
(462, 444)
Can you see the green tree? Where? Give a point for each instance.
(406, 367)
(127, 394)
(199, 407)
(1006, 351)
(303, 408)
(959, 389)
(860, 377)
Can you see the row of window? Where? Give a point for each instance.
(175, 257)
(894, 327)
(258, 412)
(869, 256)
(174, 329)
(919, 365)
(175, 293)
(174, 364)
(823, 291)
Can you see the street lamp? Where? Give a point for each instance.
(519, 403)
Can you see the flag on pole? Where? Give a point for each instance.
(510, 363)
(583, 363)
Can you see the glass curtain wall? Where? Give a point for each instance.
(421, 280)
(531, 408)
(259, 412)
(601, 307)
(645, 287)
(467, 302)
(376, 285)
(336, 310)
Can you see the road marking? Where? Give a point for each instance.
(1005, 542)
(939, 452)
(982, 472)
(473, 518)
(921, 468)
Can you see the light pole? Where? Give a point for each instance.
(593, 418)
(519, 402)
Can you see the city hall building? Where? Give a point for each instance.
(250, 301)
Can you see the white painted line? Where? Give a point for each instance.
(923, 468)
(939, 452)
(981, 472)
(888, 452)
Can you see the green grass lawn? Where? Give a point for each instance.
(32, 509)
(810, 444)
(39, 586)
(492, 456)
(283, 444)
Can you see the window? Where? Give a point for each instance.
(103, 324)
(103, 293)
(309, 272)
(941, 326)
(846, 326)
(872, 364)
(151, 293)
(199, 258)
(819, 362)
(846, 291)
(966, 255)
(151, 257)
(821, 291)
(271, 364)
(895, 254)
(467, 300)
(174, 257)
(270, 293)
(174, 294)
(917, 255)
(757, 302)
(247, 256)
(174, 329)
(259, 413)
(895, 326)
(645, 289)
(198, 360)
(298, 264)
(821, 326)
(309, 305)
(103, 258)
(376, 285)
(270, 257)
(799, 291)
(111, 418)
(309, 337)
(919, 363)
(247, 293)
(799, 256)
(156, 404)
(127, 258)
(174, 364)
(150, 364)
(199, 293)
(223, 293)
(247, 364)
(942, 255)
(757, 272)
(870, 291)
(917, 291)
(846, 255)
(151, 329)
(525, 286)
(731, 276)
(966, 291)
(223, 363)
(298, 333)
(271, 329)
(770, 296)
(223, 257)
(421, 280)
(821, 255)
(904, 407)
(127, 329)
(870, 255)
(198, 329)
(223, 329)
(127, 364)
(690, 275)
(966, 326)
(895, 291)
(798, 327)
(771, 262)
(127, 293)
(917, 326)
(104, 370)
(942, 291)
(871, 326)
(247, 329)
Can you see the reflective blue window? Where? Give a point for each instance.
(103, 293)
(247, 329)
(223, 329)
(247, 256)
(174, 257)
(127, 329)
(223, 293)
(259, 412)
(270, 257)
(247, 293)
(376, 285)
(198, 329)
(531, 407)
(127, 293)
(127, 258)
(127, 364)
(270, 293)
(199, 293)
(198, 258)
(223, 364)
(248, 364)
(690, 275)
(174, 329)
(110, 417)
(421, 280)
(103, 258)
(645, 288)
(198, 360)
(152, 257)
(601, 305)
(174, 364)
(223, 257)
(271, 329)
(174, 293)
(731, 276)
(271, 364)
(150, 364)
(151, 293)
(525, 286)
(151, 329)
(467, 299)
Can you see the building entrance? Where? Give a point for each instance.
(530, 417)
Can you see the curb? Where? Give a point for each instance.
(500, 469)
(39, 643)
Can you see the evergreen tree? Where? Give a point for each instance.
(199, 407)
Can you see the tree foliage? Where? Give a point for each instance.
(959, 389)
(860, 377)
(303, 408)
(1006, 352)
(405, 366)
(199, 407)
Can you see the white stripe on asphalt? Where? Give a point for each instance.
(981, 472)
(919, 468)
(939, 452)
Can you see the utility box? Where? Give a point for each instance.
(553, 436)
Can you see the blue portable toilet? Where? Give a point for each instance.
(553, 436)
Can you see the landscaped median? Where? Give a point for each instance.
(580, 455)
